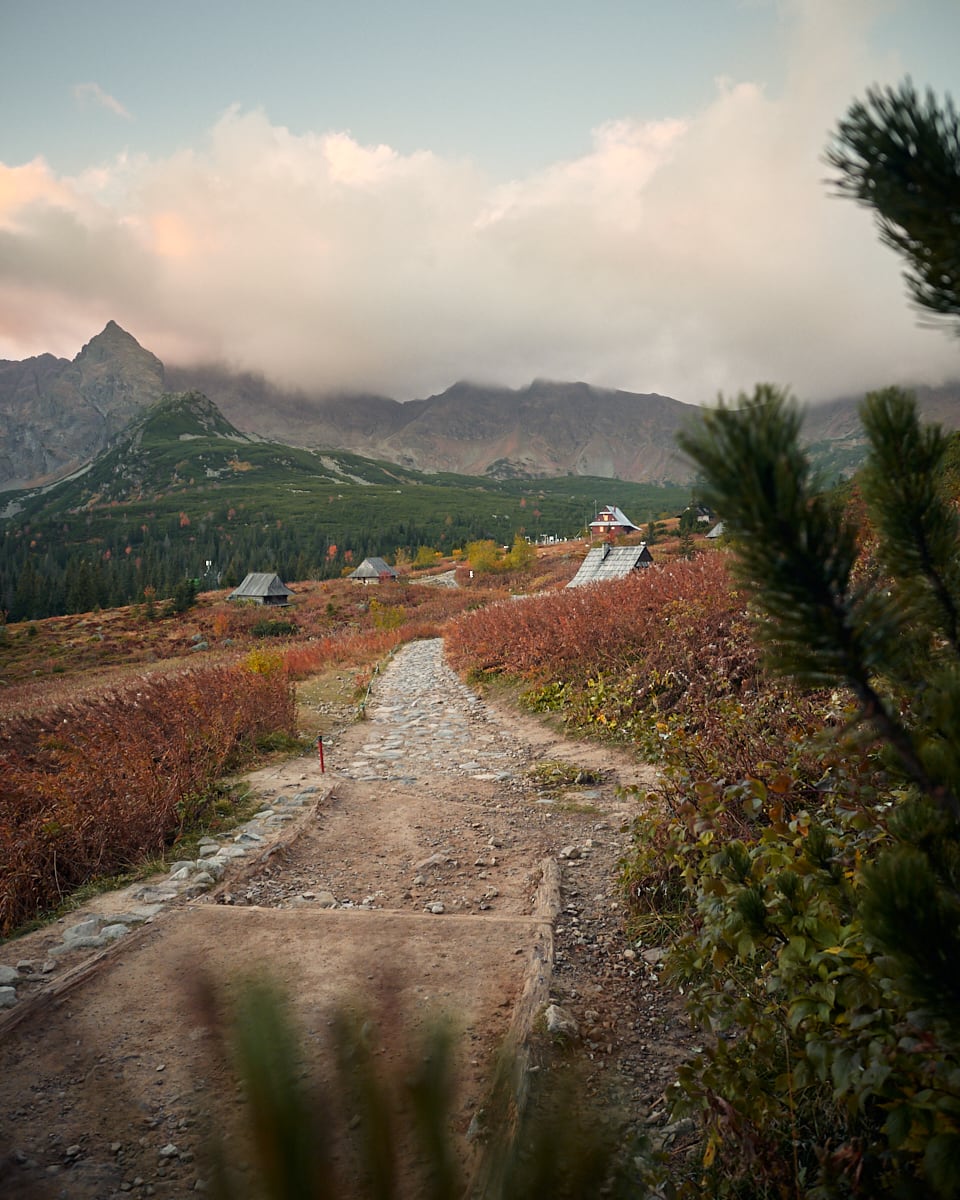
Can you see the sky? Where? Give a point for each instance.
(394, 195)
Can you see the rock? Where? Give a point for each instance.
(436, 908)
(653, 956)
(111, 933)
(155, 895)
(570, 852)
(559, 1022)
(8, 976)
(326, 899)
(8, 997)
(83, 929)
(78, 943)
(678, 1129)
(168, 1151)
(435, 860)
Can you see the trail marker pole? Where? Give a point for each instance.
(320, 752)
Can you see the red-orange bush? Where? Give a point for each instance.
(671, 618)
(92, 787)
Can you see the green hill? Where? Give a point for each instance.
(181, 493)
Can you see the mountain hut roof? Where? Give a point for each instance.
(373, 568)
(610, 517)
(611, 562)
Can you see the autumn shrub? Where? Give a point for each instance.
(91, 788)
(621, 657)
(306, 658)
(819, 949)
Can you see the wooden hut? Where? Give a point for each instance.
(611, 562)
(610, 522)
(373, 570)
(260, 587)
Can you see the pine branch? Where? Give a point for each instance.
(900, 156)
(919, 528)
(796, 551)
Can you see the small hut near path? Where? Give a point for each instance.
(373, 570)
(611, 562)
(261, 587)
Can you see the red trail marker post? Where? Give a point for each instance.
(320, 752)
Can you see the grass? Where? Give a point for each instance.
(564, 775)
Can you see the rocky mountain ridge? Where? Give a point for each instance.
(57, 414)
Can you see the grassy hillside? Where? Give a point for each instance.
(184, 495)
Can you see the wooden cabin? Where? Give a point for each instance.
(260, 587)
(373, 570)
(610, 522)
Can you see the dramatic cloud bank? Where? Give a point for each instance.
(686, 256)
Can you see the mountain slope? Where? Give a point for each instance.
(181, 493)
(546, 429)
(56, 415)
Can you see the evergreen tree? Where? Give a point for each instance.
(885, 627)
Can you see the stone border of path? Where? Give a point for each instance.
(185, 879)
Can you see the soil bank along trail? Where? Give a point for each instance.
(432, 869)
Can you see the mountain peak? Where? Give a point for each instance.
(111, 342)
(186, 415)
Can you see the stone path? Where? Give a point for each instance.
(426, 721)
(429, 818)
(422, 721)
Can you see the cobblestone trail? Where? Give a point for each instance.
(424, 720)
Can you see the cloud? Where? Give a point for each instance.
(94, 93)
(687, 256)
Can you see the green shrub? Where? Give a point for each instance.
(822, 958)
(266, 627)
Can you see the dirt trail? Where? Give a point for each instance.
(437, 872)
